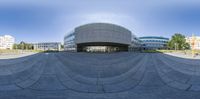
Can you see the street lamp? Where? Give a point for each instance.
(193, 45)
(175, 44)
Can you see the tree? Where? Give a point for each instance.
(15, 46)
(23, 46)
(62, 46)
(178, 42)
(186, 46)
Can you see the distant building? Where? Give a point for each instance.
(6, 42)
(197, 42)
(154, 42)
(48, 46)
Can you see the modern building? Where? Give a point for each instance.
(99, 37)
(6, 42)
(136, 44)
(154, 42)
(48, 46)
(69, 42)
(196, 42)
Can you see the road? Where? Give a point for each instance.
(121, 75)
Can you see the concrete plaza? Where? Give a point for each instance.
(123, 75)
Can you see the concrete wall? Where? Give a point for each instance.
(102, 32)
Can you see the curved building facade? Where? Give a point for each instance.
(99, 37)
(154, 42)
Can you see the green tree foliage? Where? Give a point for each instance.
(23, 46)
(62, 46)
(178, 42)
(186, 46)
(15, 46)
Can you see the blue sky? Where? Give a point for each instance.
(49, 20)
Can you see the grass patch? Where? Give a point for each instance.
(18, 51)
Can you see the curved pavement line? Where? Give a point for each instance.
(100, 87)
(48, 80)
(98, 68)
(14, 74)
(90, 61)
(181, 67)
(109, 80)
(88, 80)
(17, 67)
(33, 77)
(20, 80)
(176, 79)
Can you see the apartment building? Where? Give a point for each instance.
(6, 42)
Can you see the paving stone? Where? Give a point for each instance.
(194, 80)
(9, 87)
(178, 85)
(195, 88)
(126, 75)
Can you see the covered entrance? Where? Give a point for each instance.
(101, 47)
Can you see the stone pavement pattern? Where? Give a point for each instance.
(99, 76)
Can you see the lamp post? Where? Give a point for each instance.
(175, 44)
(193, 45)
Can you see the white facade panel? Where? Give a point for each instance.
(196, 42)
(6, 42)
(101, 32)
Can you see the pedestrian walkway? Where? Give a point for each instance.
(122, 75)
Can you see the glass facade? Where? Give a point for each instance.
(135, 44)
(153, 42)
(69, 42)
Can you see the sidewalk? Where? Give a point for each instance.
(182, 55)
